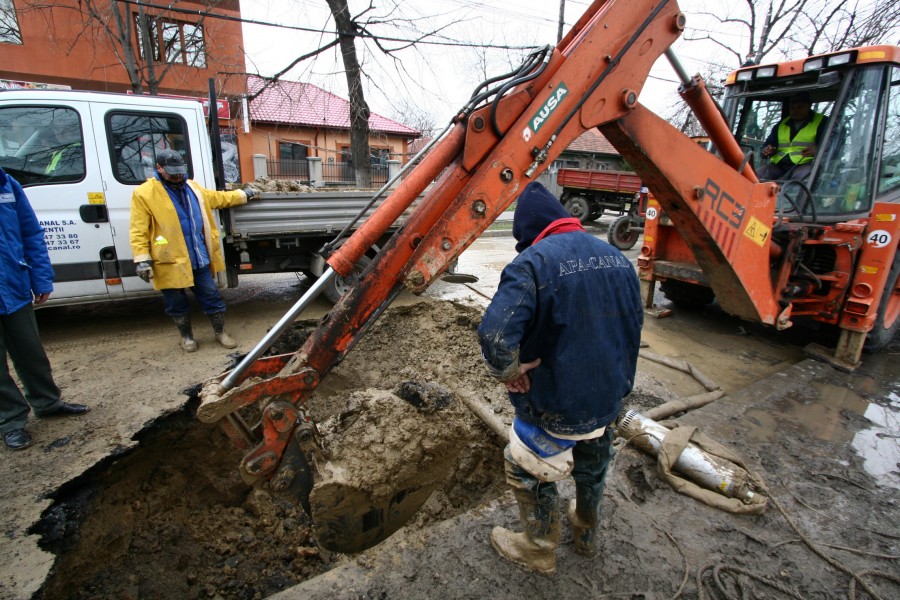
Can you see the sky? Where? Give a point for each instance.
(438, 79)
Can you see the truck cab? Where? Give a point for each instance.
(79, 156)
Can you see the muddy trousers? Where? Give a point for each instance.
(592, 459)
(591, 463)
(21, 342)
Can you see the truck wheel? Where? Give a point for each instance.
(619, 235)
(687, 295)
(339, 285)
(579, 207)
(887, 322)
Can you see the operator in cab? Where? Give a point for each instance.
(562, 334)
(792, 143)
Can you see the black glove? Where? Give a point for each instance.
(144, 270)
(250, 192)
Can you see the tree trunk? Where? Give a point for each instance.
(359, 110)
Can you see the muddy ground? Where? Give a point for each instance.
(140, 500)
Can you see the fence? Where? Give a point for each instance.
(314, 171)
(288, 169)
(335, 173)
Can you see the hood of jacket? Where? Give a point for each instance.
(536, 208)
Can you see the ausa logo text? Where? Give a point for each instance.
(550, 105)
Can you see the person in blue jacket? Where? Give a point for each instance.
(562, 333)
(26, 278)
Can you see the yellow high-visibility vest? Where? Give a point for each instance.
(57, 156)
(804, 139)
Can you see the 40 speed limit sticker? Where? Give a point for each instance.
(652, 213)
(879, 238)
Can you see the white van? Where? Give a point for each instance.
(79, 156)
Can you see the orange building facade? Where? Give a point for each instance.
(81, 44)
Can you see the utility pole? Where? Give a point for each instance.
(562, 13)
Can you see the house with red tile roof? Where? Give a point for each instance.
(291, 121)
(591, 151)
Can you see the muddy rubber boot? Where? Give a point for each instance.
(187, 335)
(584, 529)
(534, 548)
(218, 324)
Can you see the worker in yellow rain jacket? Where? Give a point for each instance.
(176, 243)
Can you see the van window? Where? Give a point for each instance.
(135, 138)
(41, 144)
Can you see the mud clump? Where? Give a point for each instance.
(264, 184)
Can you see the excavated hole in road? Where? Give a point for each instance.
(173, 519)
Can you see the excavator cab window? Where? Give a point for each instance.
(842, 182)
(889, 170)
(757, 117)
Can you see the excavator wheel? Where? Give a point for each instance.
(579, 207)
(887, 322)
(619, 235)
(687, 295)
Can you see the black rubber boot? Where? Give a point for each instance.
(218, 324)
(187, 335)
(583, 517)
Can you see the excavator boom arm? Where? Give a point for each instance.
(591, 79)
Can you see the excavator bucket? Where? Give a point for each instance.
(349, 520)
(360, 475)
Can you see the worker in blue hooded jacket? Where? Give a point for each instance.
(562, 333)
(26, 279)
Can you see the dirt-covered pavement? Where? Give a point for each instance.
(140, 500)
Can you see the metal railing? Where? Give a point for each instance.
(288, 169)
(335, 173)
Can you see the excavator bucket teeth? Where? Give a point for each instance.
(349, 520)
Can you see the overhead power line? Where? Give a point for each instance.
(223, 17)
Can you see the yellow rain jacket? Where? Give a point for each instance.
(156, 232)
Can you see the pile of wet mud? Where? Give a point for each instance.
(265, 184)
(173, 519)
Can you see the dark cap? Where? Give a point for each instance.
(171, 161)
(800, 98)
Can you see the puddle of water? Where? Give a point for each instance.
(879, 445)
(819, 414)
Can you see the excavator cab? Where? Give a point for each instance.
(859, 102)
(829, 239)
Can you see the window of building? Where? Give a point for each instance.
(41, 144)
(292, 151)
(9, 24)
(181, 42)
(136, 137)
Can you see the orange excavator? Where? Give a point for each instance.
(823, 248)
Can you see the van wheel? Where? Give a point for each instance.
(579, 207)
(619, 235)
(887, 322)
(338, 286)
(687, 295)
